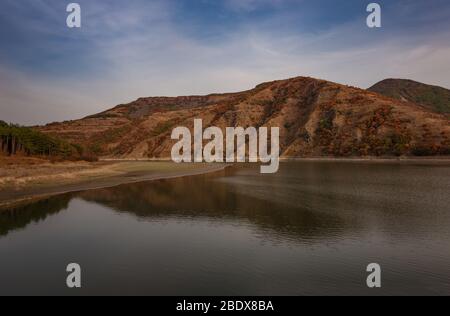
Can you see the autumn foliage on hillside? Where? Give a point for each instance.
(316, 118)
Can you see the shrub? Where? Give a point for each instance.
(422, 151)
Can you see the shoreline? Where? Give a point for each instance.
(431, 159)
(114, 172)
(367, 158)
(35, 193)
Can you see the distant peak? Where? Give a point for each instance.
(433, 97)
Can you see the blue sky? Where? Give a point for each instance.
(135, 48)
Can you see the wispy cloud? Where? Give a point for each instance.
(136, 48)
(252, 5)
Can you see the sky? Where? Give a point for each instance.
(140, 48)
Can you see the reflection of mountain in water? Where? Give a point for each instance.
(208, 196)
(189, 197)
(303, 201)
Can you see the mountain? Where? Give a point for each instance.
(316, 118)
(432, 97)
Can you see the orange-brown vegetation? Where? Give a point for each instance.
(316, 118)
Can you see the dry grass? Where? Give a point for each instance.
(17, 172)
(25, 178)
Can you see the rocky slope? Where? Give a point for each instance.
(433, 97)
(316, 118)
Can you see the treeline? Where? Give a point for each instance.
(21, 140)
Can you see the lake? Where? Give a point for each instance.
(310, 229)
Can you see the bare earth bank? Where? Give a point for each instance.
(24, 181)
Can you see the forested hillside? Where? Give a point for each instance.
(18, 140)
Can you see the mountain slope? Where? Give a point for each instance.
(432, 97)
(316, 118)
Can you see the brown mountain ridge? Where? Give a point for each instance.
(316, 118)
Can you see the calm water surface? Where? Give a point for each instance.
(310, 229)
